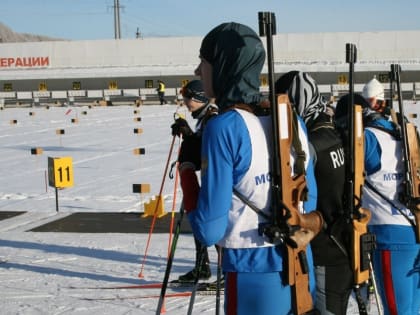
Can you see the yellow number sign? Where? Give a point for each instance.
(112, 85)
(342, 79)
(42, 86)
(60, 172)
(264, 80)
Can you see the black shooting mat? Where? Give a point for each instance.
(9, 214)
(106, 222)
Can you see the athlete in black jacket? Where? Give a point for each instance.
(334, 277)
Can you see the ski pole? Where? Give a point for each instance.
(156, 208)
(375, 288)
(174, 200)
(219, 278)
(170, 260)
(195, 286)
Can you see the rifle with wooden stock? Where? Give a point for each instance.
(362, 241)
(410, 196)
(287, 223)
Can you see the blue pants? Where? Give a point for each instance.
(397, 274)
(256, 293)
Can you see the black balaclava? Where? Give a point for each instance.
(237, 55)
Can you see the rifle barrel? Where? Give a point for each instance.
(267, 24)
(351, 57)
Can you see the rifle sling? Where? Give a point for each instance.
(249, 204)
(371, 187)
(327, 125)
(299, 165)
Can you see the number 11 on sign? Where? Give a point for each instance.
(60, 174)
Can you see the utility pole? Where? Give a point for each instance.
(117, 29)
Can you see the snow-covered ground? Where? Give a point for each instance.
(56, 273)
(45, 273)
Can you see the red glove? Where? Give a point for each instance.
(190, 188)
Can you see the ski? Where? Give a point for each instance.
(169, 295)
(151, 296)
(202, 286)
(155, 285)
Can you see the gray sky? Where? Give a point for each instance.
(94, 19)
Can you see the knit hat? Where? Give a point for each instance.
(373, 89)
(194, 89)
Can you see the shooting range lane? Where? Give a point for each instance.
(9, 214)
(110, 223)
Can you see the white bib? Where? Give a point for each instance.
(388, 182)
(255, 186)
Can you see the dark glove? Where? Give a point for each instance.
(180, 126)
(191, 151)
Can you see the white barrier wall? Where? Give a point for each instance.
(320, 52)
(375, 50)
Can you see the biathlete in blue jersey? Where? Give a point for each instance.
(235, 155)
(396, 259)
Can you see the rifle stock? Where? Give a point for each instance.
(302, 227)
(288, 224)
(413, 145)
(361, 275)
(361, 216)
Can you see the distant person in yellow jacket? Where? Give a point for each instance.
(161, 92)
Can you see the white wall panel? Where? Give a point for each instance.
(24, 95)
(323, 52)
(58, 94)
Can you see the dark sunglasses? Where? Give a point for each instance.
(187, 93)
